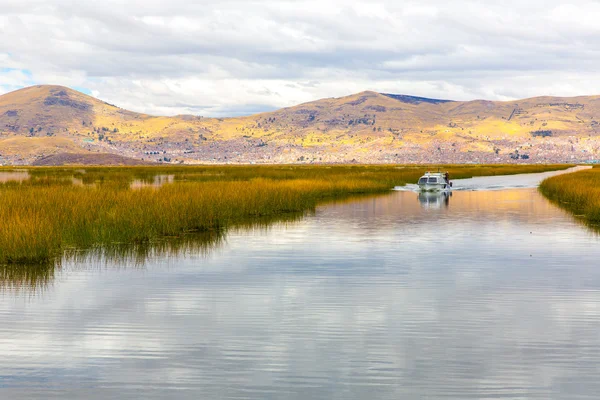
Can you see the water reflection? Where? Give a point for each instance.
(154, 182)
(13, 176)
(137, 254)
(434, 200)
(36, 277)
(349, 303)
(26, 277)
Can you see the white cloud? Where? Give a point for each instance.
(231, 57)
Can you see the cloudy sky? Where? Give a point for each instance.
(233, 57)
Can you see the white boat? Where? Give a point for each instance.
(435, 181)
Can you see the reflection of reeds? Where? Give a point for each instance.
(31, 277)
(47, 214)
(138, 253)
(578, 192)
(121, 255)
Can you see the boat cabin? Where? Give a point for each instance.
(434, 181)
(430, 179)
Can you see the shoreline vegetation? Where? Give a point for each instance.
(54, 211)
(578, 193)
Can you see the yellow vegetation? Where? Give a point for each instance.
(578, 192)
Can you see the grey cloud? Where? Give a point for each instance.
(272, 48)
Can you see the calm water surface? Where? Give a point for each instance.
(478, 295)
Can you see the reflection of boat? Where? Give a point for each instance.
(437, 199)
(435, 181)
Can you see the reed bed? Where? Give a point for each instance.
(578, 192)
(61, 209)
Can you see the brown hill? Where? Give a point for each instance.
(40, 121)
(87, 159)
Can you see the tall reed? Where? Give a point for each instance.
(578, 192)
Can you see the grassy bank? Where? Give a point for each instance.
(63, 208)
(578, 192)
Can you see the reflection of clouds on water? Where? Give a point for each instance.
(350, 303)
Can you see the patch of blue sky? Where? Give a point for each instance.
(26, 72)
(15, 78)
(83, 90)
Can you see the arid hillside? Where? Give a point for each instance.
(368, 127)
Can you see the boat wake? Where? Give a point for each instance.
(500, 182)
(410, 187)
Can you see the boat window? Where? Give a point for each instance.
(432, 180)
(422, 181)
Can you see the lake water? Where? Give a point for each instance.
(13, 176)
(482, 294)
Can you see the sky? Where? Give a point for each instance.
(238, 57)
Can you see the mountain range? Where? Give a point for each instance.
(50, 125)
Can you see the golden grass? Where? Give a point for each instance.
(48, 214)
(578, 192)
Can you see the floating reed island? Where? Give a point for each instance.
(578, 193)
(50, 210)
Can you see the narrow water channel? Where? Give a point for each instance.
(481, 294)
